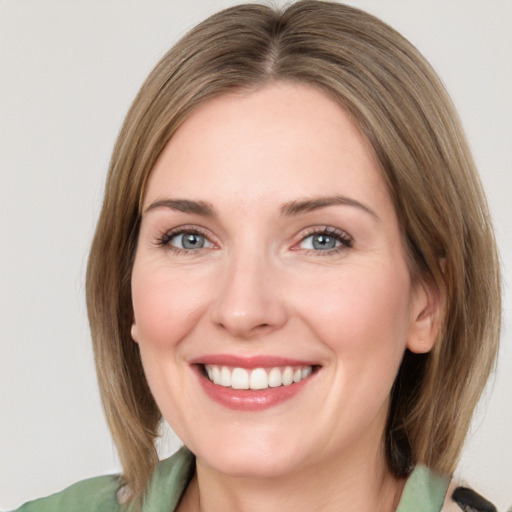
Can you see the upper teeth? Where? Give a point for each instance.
(258, 378)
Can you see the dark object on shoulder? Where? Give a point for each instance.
(470, 501)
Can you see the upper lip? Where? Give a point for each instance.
(249, 362)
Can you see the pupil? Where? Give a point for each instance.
(324, 242)
(193, 241)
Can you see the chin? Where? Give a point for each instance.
(240, 465)
(247, 457)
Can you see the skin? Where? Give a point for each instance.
(259, 287)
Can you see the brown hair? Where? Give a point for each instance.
(401, 106)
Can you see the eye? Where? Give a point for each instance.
(326, 240)
(189, 241)
(320, 242)
(185, 240)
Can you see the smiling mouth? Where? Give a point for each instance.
(256, 378)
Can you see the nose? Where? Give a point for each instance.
(249, 302)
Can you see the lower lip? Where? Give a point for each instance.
(248, 399)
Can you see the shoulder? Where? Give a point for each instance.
(169, 481)
(424, 491)
(100, 494)
(94, 494)
(428, 491)
(461, 497)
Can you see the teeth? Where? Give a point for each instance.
(306, 372)
(275, 379)
(287, 376)
(259, 378)
(215, 374)
(239, 378)
(225, 377)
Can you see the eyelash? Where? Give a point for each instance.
(164, 240)
(344, 239)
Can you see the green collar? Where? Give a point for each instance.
(423, 492)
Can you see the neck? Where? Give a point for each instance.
(359, 484)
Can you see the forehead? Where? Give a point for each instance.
(278, 142)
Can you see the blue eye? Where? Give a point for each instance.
(320, 242)
(326, 241)
(188, 240)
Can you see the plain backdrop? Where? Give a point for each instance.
(68, 72)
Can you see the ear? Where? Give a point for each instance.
(426, 318)
(134, 331)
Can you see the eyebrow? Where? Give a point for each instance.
(184, 205)
(288, 209)
(307, 205)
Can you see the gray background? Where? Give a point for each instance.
(68, 72)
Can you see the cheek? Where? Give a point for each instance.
(166, 306)
(361, 313)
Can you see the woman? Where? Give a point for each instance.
(295, 267)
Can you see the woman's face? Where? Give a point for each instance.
(270, 258)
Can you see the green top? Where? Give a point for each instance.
(423, 492)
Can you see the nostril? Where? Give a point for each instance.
(245, 309)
